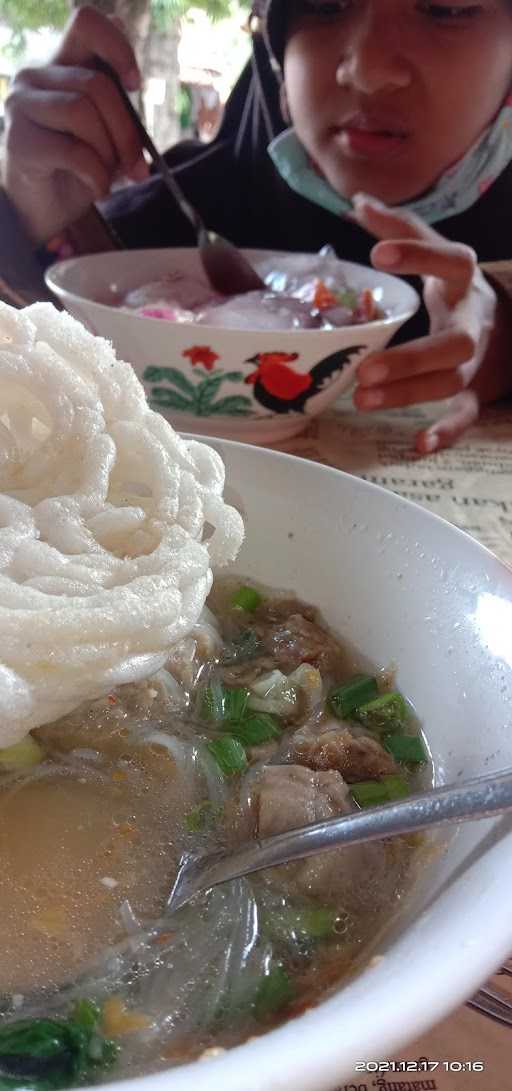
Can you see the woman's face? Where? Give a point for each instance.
(385, 95)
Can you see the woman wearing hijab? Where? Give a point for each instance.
(354, 120)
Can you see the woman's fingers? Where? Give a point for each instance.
(90, 34)
(64, 112)
(428, 388)
(462, 413)
(439, 352)
(453, 263)
(462, 310)
(410, 247)
(424, 370)
(68, 155)
(86, 104)
(68, 134)
(385, 223)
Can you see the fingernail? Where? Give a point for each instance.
(387, 254)
(374, 373)
(140, 171)
(132, 80)
(431, 442)
(371, 399)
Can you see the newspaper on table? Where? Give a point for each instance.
(470, 485)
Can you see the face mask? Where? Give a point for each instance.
(457, 189)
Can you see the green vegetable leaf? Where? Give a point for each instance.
(48, 1054)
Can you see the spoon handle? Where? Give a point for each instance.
(147, 143)
(480, 798)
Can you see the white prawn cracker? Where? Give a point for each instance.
(109, 522)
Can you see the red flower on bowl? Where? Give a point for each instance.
(201, 354)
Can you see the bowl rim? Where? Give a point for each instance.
(53, 278)
(288, 1055)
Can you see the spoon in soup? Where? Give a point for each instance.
(480, 798)
(227, 269)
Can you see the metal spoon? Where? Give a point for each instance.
(476, 799)
(227, 269)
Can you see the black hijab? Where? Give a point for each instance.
(252, 115)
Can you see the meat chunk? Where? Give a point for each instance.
(247, 671)
(335, 747)
(279, 609)
(283, 633)
(355, 877)
(295, 639)
(288, 796)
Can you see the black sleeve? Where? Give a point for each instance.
(146, 215)
(213, 180)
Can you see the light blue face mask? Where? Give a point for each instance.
(458, 188)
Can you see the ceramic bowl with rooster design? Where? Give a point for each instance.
(255, 385)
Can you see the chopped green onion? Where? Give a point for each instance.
(406, 748)
(247, 598)
(389, 712)
(235, 703)
(352, 694)
(274, 993)
(229, 755)
(306, 925)
(202, 817)
(86, 1013)
(245, 646)
(370, 793)
(211, 706)
(219, 704)
(256, 729)
(396, 787)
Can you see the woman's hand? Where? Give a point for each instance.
(463, 309)
(68, 135)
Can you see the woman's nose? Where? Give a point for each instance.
(372, 58)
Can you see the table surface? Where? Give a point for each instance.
(470, 485)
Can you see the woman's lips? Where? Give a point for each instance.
(367, 140)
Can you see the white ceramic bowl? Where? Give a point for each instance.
(404, 587)
(197, 376)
